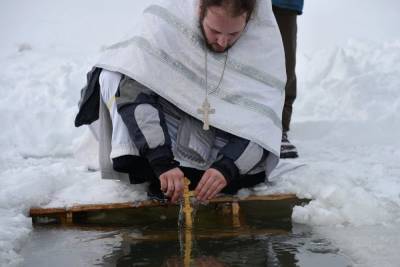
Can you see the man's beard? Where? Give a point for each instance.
(209, 46)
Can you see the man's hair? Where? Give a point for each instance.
(234, 7)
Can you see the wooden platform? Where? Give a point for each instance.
(268, 207)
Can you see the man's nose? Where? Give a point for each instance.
(223, 41)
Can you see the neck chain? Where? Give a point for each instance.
(206, 109)
(206, 71)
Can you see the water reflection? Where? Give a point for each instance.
(273, 248)
(219, 252)
(147, 246)
(219, 237)
(203, 261)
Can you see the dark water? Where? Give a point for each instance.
(258, 245)
(259, 235)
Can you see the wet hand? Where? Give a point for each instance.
(210, 185)
(172, 184)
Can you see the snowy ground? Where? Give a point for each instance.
(346, 126)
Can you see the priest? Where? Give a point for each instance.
(197, 91)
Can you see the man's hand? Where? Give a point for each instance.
(210, 184)
(172, 184)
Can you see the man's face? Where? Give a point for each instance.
(220, 29)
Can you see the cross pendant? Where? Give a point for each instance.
(206, 110)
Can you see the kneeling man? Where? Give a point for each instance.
(196, 92)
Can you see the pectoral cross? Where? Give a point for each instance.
(206, 110)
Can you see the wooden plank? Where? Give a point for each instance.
(274, 197)
(283, 203)
(36, 211)
(46, 211)
(114, 206)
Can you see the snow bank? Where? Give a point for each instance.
(358, 82)
(346, 130)
(38, 103)
(346, 125)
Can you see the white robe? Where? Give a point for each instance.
(167, 55)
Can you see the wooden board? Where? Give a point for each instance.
(278, 206)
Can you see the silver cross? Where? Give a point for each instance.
(206, 110)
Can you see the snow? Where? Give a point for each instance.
(345, 126)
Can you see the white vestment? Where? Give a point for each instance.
(167, 55)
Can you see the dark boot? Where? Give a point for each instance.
(288, 150)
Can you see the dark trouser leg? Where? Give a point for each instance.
(139, 171)
(287, 22)
(138, 168)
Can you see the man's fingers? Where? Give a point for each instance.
(204, 179)
(216, 191)
(200, 185)
(211, 188)
(170, 186)
(163, 182)
(178, 186)
(208, 184)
